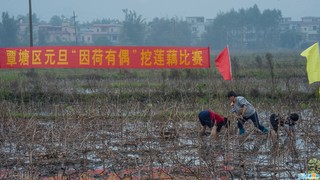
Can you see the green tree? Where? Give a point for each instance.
(133, 30)
(104, 21)
(290, 39)
(8, 31)
(269, 26)
(56, 20)
(216, 35)
(244, 29)
(168, 32)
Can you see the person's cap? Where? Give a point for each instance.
(294, 116)
(231, 93)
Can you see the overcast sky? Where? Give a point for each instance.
(88, 10)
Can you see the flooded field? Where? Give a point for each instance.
(147, 145)
(126, 125)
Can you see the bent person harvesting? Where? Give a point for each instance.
(211, 119)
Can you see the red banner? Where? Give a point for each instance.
(105, 57)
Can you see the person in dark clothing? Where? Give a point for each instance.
(214, 121)
(287, 122)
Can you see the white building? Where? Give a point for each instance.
(109, 31)
(198, 26)
(308, 26)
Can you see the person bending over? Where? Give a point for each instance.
(214, 121)
(286, 122)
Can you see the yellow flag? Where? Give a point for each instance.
(313, 62)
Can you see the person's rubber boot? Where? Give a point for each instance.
(265, 130)
(241, 131)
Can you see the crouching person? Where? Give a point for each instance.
(287, 122)
(214, 121)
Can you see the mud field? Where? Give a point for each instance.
(93, 127)
(74, 144)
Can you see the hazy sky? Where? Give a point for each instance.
(88, 10)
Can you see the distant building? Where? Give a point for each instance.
(57, 34)
(311, 27)
(308, 26)
(198, 26)
(87, 36)
(110, 32)
(23, 31)
(44, 34)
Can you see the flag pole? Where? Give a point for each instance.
(230, 61)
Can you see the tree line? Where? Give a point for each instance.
(241, 29)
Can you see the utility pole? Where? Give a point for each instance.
(30, 24)
(75, 27)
